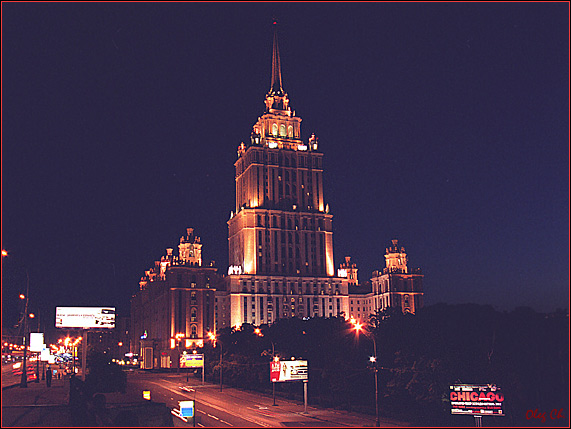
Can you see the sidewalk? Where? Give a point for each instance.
(40, 406)
(36, 405)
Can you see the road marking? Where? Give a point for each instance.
(214, 417)
(223, 421)
(214, 406)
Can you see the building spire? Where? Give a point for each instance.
(276, 86)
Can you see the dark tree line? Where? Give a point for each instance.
(419, 356)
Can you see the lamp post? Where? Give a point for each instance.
(212, 337)
(24, 379)
(376, 368)
(24, 319)
(259, 333)
(373, 359)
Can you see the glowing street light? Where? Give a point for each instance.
(275, 358)
(373, 359)
(212, 338)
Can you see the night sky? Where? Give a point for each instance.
(444, 125)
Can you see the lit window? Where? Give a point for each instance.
(282, 130)
(275, 130)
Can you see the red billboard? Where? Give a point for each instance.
(476, 400)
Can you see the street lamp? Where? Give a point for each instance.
(373, 359)
(212, 337)
(24, 378)
(24, 319)
(275, 358)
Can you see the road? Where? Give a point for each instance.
(236, 408)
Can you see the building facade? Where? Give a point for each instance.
(395, 287)
(280, 243)
(174, 308)
(280, 235)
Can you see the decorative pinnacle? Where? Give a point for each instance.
(276, 86)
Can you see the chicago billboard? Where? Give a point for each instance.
(476, 399)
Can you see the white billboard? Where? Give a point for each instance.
(285, 370)
(85, 317)
(36, 341)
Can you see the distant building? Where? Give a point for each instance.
(348, 270)
(174, 309)
(395, 287)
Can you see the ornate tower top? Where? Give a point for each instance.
(396, 259)
(276, 86)
(277, 101)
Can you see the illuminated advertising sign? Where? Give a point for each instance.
(476, 399)
(45, 355)
(291, 370)
(85, 317)
(36, 341)
(191, 361)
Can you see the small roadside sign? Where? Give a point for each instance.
(186, 408)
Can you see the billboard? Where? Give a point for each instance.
(285, 370)
(85, 317)
(36, 341)
(476, 400)
(191, 361)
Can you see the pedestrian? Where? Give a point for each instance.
(49, 377)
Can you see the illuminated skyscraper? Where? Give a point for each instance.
(280, 235)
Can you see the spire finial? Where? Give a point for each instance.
(276, 86)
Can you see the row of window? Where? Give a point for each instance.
(289, 308)
(282, 158)
(282, 130)
(292, 222)
(290, 288)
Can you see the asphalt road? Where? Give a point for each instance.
(236, 408)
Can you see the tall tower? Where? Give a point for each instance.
(280, 235)
(281, 224)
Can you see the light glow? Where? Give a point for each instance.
(234, 270)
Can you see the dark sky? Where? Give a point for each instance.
(444, 125)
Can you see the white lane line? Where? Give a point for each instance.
(223, 421)
(214, 417)
(214, 406)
